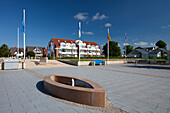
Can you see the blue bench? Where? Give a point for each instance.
(97, 61)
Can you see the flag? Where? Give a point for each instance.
(108, 37)
(126, 37)
(23, 23)
(51, 47)
(79, 30)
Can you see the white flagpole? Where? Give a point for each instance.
(79, 39)
(125, 47)
(18, 44)
(24, 35)
(108, 50)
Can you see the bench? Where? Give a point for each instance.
(97, 61)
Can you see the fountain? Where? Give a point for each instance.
(76, 89)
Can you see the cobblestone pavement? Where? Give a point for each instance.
(131, 88)
(128, 87)
(19, 94)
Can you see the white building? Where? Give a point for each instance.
(70, 48)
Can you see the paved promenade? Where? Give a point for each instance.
(131, 88)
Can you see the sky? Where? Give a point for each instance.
(144, 21)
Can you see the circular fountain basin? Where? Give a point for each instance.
(76, 89)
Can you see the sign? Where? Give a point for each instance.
(48, 52)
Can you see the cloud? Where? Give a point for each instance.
(81, 16)
(125, 44)
(164, 27)
(108, 25)
(99, 17)
(141, 43)
(152, 44)
(87, 33)
(119, 45)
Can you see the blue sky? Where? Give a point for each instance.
(144, 21)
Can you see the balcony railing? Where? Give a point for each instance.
(83, 48)
(98, 53)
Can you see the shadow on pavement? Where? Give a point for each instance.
(40, 87)
(150, 67)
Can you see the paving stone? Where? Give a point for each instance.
(69, 111)
(127, 87)
(128, 108)
(95, 111)
(160, 110)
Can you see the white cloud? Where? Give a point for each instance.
(141, 43)
(119, 45)
(108, 25)
(99, 17)
(81, 16)
(164, 27)
(87, 33)
(152, 44)
(125, 44)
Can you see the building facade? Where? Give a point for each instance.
(14, 52)
(58, 47)
(37, 50)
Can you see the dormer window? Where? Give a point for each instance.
(65, 41)
(58, 40)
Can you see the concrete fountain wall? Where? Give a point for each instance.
(76, 89)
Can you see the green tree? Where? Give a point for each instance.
(161, 44)
(4, 47)
(31, 54)
(138, 47)
(128, 49)
(114, 49)
(4, 51)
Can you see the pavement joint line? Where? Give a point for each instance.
(137, 73)
(33, 73)
(108, 109)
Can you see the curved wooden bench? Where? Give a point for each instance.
(84, 92)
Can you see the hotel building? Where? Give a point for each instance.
(70, 48)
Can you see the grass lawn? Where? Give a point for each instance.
(93, 59)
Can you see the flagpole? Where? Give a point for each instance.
(18, 44)
(108, 51)
(24, 36)
(79, 39)
(125, 46)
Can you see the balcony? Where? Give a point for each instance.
(83, 48)
(98, 49)
(83, 53)
(91, 49)
(93, 53)
(98, 53)
(64, 53)
(74, 53)
(65, 47)
(89, 53)
(74, 48)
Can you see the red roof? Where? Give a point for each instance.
(55, 40)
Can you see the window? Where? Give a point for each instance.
(63, 50)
